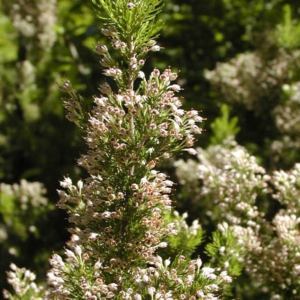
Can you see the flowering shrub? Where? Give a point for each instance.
(22, 206)
(127, 241)
(121, 213)
(238, 194)
(265, 86)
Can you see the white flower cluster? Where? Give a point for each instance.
(244, 80)
(35, 18)
(266, 87)
(287, 186)
(232, 180)
(28, 194)
(22, 281)
(29, 199)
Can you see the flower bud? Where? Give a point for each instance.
(109, 31)
(130, 5)
(66, 87)
(173, 76)
(116, 44)
(105, 63)
(191, 151)
(141, 62)
(100, 49)
(134, 186)
(198, 262)
(105, 88)
(141, 75)
(155, 48)
(174, 87)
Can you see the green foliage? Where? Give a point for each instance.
(8, 49)
(288, 32)
(223, 127)
(225, 251)
(187, 238)
(22, 207)
(138, 21)
(24, 210)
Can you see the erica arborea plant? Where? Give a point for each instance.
(118, 212)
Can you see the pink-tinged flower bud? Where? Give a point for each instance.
(130, 5)
(154, 112)
(133, 60)
(110, 72)
(130, 92)
(153, 126)
(100, 49)
(155, 48)
(163, 132)
(164, 77)
(112, 197)
(174, 87)
(192, 113)
(116, 44)
(134, 186)
(200, 294)
(155, 72)
(173, 76)
(128, 245)
(141, 62)
(105, 88)
(151, 164)
(129, 105)
(66, 87)
(110, 295)
(155, 90)
(113, 286)
(122, 293)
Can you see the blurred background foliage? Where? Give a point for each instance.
(239, 63)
